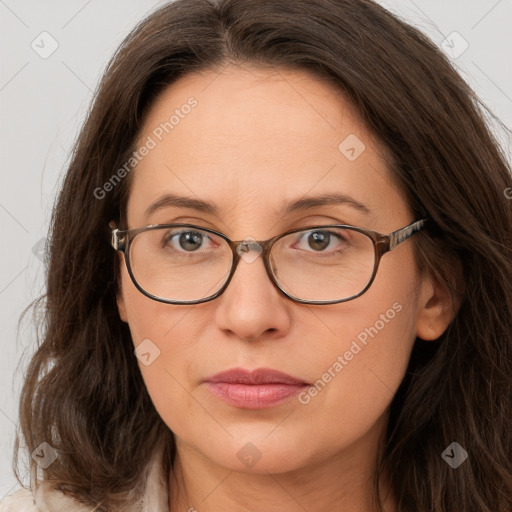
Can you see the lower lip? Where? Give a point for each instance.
(254, 396)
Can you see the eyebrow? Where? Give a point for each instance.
(168, 200)
(302, 204)
(306, 203)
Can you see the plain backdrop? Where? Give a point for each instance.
(43, 99)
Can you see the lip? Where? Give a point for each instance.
(257, 389)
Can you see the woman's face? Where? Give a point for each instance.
(252, 142)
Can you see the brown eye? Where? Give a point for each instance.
(185, 240)
(321, 240)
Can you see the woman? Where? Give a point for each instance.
(279, 276)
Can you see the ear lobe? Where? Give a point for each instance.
(120, 296)
(437, 309)
(121, 307)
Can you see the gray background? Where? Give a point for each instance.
(43, 102)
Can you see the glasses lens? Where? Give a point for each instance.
(324, 264)
(187, 264)
(180, 263)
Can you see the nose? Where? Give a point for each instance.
(251, 307)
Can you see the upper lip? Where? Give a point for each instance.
(257, 376)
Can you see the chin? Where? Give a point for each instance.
(257, 456)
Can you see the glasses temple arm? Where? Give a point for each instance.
(401, 235)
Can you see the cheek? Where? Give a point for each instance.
(165, 346)
(359, 370)
(358, 377)
(164, 339)
(150, 319)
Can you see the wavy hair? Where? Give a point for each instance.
(83, 392)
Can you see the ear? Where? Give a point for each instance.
(436, 310)
(120, 294)
(121, 308)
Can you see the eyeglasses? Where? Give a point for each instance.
(188, 264)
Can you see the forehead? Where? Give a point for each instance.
(242, 137)
(236, 104)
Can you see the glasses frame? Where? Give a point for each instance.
(121, 240)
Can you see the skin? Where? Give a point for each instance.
(258, 138)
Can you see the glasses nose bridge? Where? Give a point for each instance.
(239, 247)
(249, 243)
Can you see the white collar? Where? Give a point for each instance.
(46, 499)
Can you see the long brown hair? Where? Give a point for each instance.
(84, 393)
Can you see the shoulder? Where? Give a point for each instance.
(20, 501)
(44, 499)
(48, 499)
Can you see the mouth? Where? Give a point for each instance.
(256, 389)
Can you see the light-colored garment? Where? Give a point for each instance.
(45, 499)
